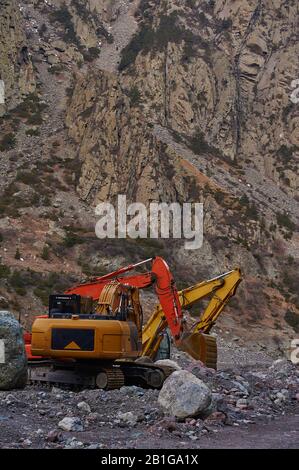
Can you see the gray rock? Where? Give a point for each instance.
(201, 371)
(71, 424)
(13, 371)
(168, 363)
(131, 390)
(128, 418)
(184, 395)
(3, 302)
(83, 406)
(54, 436)
(242, 404)
(52, 59)
(72, 443)
(59, 45)
(243, 387)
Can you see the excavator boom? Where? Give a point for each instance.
(195, 341)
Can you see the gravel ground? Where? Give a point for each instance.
(254, 406)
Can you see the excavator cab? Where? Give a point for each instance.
(60, 305)
(64, 305)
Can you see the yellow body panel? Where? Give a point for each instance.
(112, 339)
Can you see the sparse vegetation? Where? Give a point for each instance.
(149, 38)
(284, 220)
(71, 239)
(135, 96)
(292, 319)
(45, 254)
(30, 110)
(56, 69)
(199, 145)
(8, 142)
(91, 54)
(26, 177)
(285, 153)
(63, 16)
(33, 132)
(4, 271)
(42, 284)
(251, 211)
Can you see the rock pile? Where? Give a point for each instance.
(13, 366)
(184, 395)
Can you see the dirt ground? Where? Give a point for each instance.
(256, 406)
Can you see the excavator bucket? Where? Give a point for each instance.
(201, 347)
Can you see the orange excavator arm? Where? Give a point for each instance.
(159, 275)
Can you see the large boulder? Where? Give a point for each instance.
(184, 395)
(13, 361)
(168, 363)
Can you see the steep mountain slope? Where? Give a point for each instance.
(15, 65)
(165, 101)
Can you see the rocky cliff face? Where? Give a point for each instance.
(199, 109)
(220, 76)
(16, 70)
(165, 101)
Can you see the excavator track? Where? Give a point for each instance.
(145, 375)
(110, 377)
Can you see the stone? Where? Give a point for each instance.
(73, 443)
(200, 370)
(71, 424)
(13, 372)
(27, 442)
(59, 45)
(168, 363)
(131, 389)
(128, 418)
(53, 436)
(216, 418)
(93, 416)
(168, 423)
(83, 406)
(3, 302)
(184, 395)
(52, 59)
(242, 387)
(242, 404)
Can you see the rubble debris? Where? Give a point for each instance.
(184, 395)
(71, 424)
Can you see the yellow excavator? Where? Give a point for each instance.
(93, 335)
(197, 342)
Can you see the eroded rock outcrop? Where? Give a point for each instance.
(13, 370)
